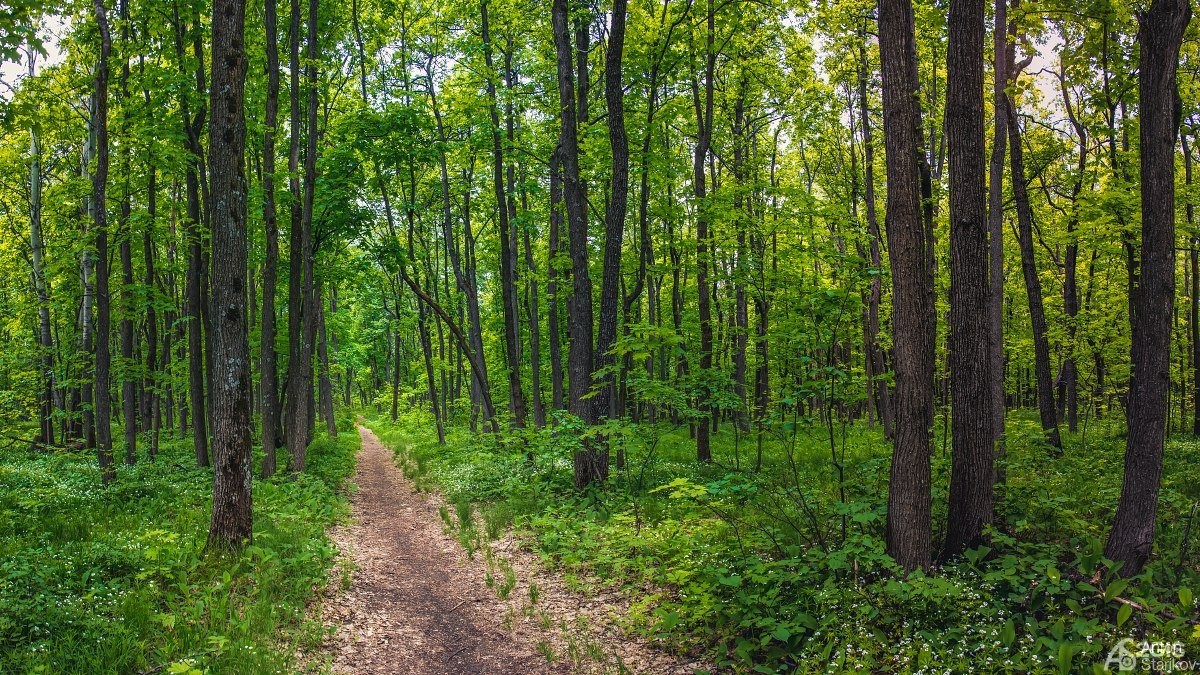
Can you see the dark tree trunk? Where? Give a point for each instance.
(268, 358)
(614, 213)
(300, 282)
(874, 357)
(1000, 60)
(152, 381)
(129, 384)
(193, 292)
(103, 381)
(971, 474)
(1194, 291)
(703, 102)
(508, 285)
(590, 462)
(909, 535)
(231, 525)
(552, 301)
(1033, 285)
(1160, 35)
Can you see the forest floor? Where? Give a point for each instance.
(418, 602)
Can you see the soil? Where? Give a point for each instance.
(417, 602)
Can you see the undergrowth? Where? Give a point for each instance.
(782, 568)
(113, 579)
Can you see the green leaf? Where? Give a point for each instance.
(1008, 634)
(1114, 589)
(1123, 614)
(1053, 574)
(1185, 597)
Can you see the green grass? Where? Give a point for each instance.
(112, 579)
(784, 570)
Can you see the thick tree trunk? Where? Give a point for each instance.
(231, 525)
(1160, 35)
(909, 528)
(971, 473)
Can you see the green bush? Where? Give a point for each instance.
(784, 570)
(101, 579)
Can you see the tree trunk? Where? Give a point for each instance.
(1000, 62)
(703, 102)
(1033, 285)
(909, 529)
(231, 525)
(614, 213)
(299, 419)
(508, 286)
(1160, 35)
(552, 320)
(103, 381)
(268, 358)
(590, 462)
(1194, 291)
(971, 474)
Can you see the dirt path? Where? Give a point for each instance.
(413, 606)
(416, 603)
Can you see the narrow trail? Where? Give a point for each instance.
(417, 603)
(414, 605)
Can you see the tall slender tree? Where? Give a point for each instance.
(1160, 35)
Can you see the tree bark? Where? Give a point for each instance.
(1000, 60)
(231, 524)
(909, 528)
(614, 213)
(508, 287)
(268, 358)
(703, 102)
(590, 462)
(971, 473)
(1160, 35)
(1033, 285)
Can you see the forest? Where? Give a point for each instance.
(661, 336)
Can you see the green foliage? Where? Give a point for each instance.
(773, 571)
(113, 578)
